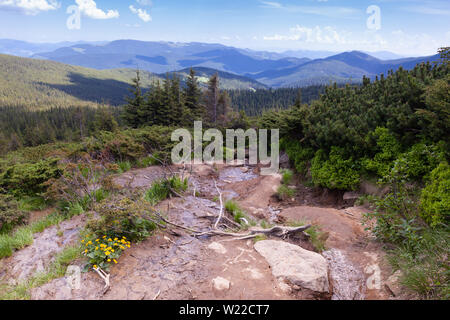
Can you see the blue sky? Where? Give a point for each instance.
(408, 27)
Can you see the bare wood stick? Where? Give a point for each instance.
(279, 231)
(157, 295)
(105, 277)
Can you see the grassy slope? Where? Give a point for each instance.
(40, 84)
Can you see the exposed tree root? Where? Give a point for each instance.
(105, 277)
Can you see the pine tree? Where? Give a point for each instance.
(298, 99)
(212, 96)
(176, 100)
(224, 108)
(131, 110)
(193, 95)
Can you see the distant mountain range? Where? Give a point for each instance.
(249, 68)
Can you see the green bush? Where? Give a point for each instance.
(287, 176)
(10, 213)
(396, 218)
(29, 179)
(388, 149)
(132, 218)
(285, 193)
(421, 159)
(298, 155)
(435, 197)
(32, 203)
(335, 172)
(124, 166)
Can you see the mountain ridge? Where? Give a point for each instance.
(267, 68)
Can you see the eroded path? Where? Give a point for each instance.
(179, 266)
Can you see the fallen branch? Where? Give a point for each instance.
(105, 277)
(278, 231)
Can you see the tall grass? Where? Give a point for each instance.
(162, 189)
(287, 176)
(238, 214)
(425, 270)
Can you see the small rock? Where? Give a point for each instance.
(393, 282)
(217, 247)
(244, 169)
(221, 284)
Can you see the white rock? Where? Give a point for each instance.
(221, 284)
(298, 266)
(217, 247)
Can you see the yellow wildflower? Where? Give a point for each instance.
(115, 261)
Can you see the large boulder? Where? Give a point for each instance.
(296, 265)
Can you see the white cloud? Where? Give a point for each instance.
(89, 9)
(29, 7)
(320, 10)
(148, 3)
(428, 10)
(269, 4)
(142, 14)
(316, 34)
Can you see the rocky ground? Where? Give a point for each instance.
(179, 266)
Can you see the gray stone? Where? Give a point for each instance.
(296, 265)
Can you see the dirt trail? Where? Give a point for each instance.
(182, 267)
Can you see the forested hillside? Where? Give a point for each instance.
(38, 84)
(255, 102)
